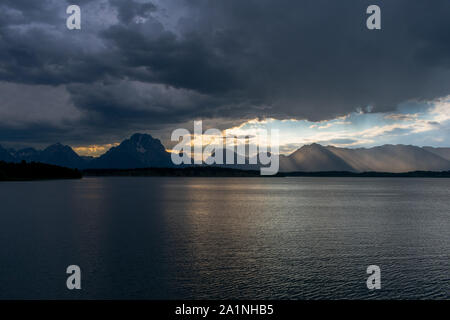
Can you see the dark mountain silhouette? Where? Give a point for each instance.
(61, 155)
(27, 154)
(143, 151)
(140, 151)
(6, 155)
(57, 154)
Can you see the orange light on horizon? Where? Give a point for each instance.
(94, 150)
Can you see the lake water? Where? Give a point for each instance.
(223, 238)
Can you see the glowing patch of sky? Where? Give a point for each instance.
(416, 123)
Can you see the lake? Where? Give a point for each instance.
(225, 238)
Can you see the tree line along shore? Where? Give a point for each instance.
(24, 171)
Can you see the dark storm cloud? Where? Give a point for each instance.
(23, 11)
(155, 63)
(184, 64)
(128, 10)
(316, 59)
(39, 57)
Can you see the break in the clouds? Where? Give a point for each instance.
(423, 124)
(152, 66)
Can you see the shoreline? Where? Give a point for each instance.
(39, 171)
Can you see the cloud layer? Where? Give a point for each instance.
(152, 65)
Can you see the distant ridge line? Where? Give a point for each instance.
(144, 151)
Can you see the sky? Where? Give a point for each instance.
(310, 69)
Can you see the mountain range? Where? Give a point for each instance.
(143, 151)
(139, 151)
(386, 158)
